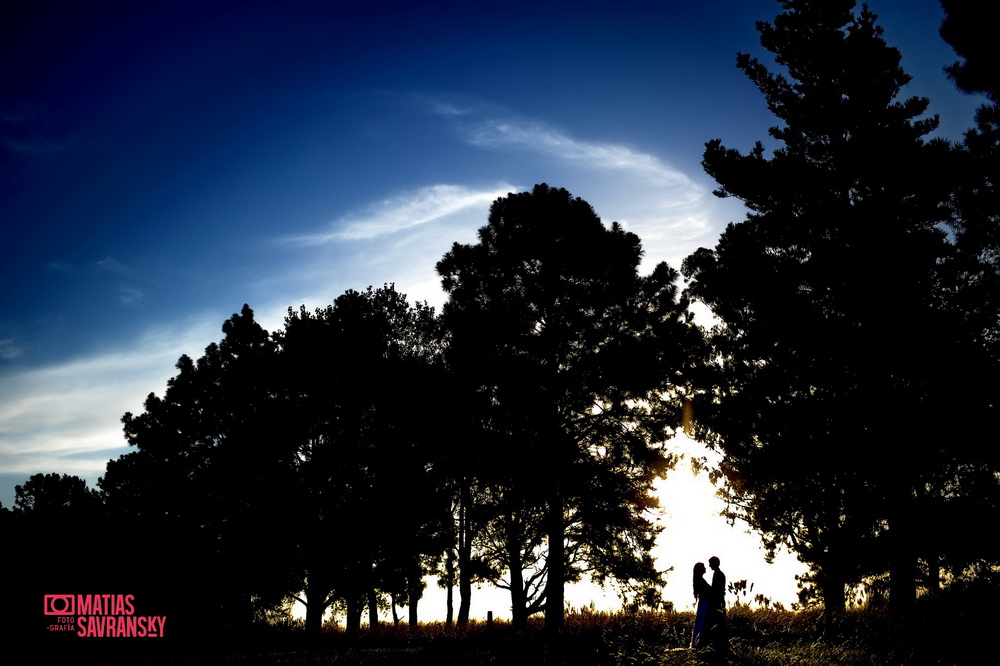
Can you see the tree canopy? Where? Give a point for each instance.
(296, 447)
(837, 341)
(577, 359)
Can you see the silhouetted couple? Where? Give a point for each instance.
(710, 618)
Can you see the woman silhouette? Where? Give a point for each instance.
(702, 592)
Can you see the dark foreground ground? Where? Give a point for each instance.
(943, 632)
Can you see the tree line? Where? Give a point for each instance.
(513, 438)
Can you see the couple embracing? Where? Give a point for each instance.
(710, 618)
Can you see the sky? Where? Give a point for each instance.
(163, 163)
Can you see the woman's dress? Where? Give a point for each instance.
(697, 636)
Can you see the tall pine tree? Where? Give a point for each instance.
(577, 359)
(828, 293)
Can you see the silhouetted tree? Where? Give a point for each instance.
(54, 495)
(833, 336)
(358, 376)
(573, 356)
(511, 546)
(464, 461)
(976, 221)
(971, 496)
(967, 30)
(56, 537)
(296, 448)
(209, 455)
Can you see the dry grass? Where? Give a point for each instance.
(941, 633)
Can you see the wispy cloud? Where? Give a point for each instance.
(397, 239)
(9, 350)
(400, 237)
(538, 137)
(59, 267)
(493, 127)
(446, 108)
(406, 210)
(111, 265)
(669, 210)
(130, 295)
(66, 417)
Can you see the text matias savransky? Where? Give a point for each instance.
(102, 616)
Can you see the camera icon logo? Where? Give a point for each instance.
(60, 604)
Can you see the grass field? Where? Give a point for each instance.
(942, 632)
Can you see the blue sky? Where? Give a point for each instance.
(163, 163)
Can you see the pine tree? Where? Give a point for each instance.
(829, 300)
(571, 351)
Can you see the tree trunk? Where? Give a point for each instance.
(314, 616)
(902, 580)
(353, 627)
(902, 562)
(317, 601)
(555, 584)
(518, 597)
(464, 555)
(372, 609)
(353, 622)
(449, 579)
(832, 588)
(414, 589)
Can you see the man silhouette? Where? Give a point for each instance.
(716, 616)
